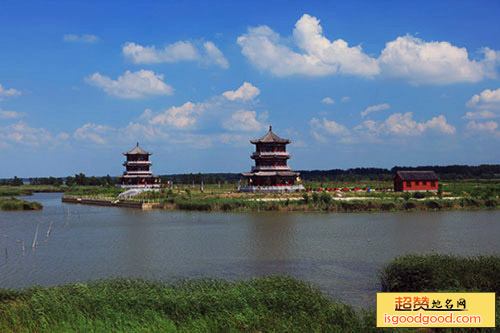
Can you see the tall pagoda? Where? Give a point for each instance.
(271, 172)
(137, 174)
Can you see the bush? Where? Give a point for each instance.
(388, 206)
(433, 204)
(434, 272)
(325, 198)
(305, 196)
(410, 205)
(418, 195)
(315, 197)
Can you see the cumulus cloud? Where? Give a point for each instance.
(85, 38)
(399, 124)
(488, 127)
(99, 134)
(345, 99)
(325, 127)
(243, 120)
(481, 114)
(175, 52)
(215, 56)
(421, 62)
(318, 56)
(132, 85)
(328, 100)
(23, 134)
(180, 117)
(246, 92)
(407, 57)
(487, 99)
(373, 108)
(4, 114)
(8, 92)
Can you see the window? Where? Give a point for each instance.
(417, 182)
(433, 184)
(408, 184)
(425, 183)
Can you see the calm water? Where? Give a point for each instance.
(339, 253)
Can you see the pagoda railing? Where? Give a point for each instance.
(145, 173)
(270, 168)
(137, 162)
(281, 188)
(270, 153)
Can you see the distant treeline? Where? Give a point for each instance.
(450, 172)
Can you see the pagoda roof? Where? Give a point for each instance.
(417, 175)
(270, 137)
(137, 151)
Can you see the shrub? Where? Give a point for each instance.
(388, 206)
(325, 198)
(433, 204)
(434, 272)
(418, 195)
(315, 197)
(410, 205)
(305, 196)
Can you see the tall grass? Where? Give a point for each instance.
(263, 304)
(18, 204)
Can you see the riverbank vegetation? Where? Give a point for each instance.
(272, 303)
(18, 204)
(262, 304)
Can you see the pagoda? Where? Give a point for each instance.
(137, 174)
(271, 172)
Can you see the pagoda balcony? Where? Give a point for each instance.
(137, 163)
(270, 153)
(139, 173)
(270, 168)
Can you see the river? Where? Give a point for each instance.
(341, 254)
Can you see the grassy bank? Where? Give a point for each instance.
(273, 303)
(324, 203)
(18, 204)
(263, 304)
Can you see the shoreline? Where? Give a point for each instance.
(295, 204)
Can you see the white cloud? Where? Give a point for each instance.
(324, 127)
(318, 57)
(214, 55)
(85, 38)
(399, 124)
(243, 120)
(4, 114)
(95, 133)
(409, 58)
(328, 100)
(8, 92)
(487, 99)
(421, 62)
(345, 99)
(132, 85)
(481, 114)
(175, 52)
(488, 127)
(373, 108)
(246, 92)
(23, 134)
(180, 117)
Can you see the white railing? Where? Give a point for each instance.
(140, 173)
(270, 153)
(137, 162)
(270, 168)
(153, 186)
(281, 188)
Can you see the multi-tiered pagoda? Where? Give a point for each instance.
(137, 174)
(271, 172)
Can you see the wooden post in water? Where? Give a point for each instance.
(36, 235)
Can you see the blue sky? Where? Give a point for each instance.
(352, 84)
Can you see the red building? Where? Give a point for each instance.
(271, 172)
(137, 174)
(415, 181)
